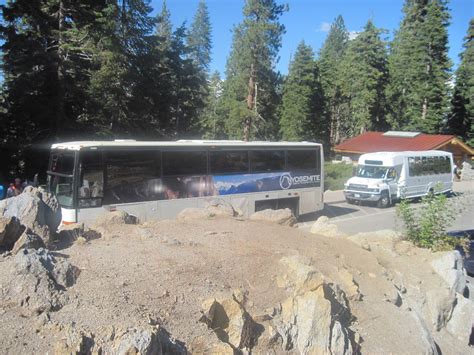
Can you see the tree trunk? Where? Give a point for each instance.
(60, 113)
(250, 103)
(424, 110)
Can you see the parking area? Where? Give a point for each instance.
(353, 219)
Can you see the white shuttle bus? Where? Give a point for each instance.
(157, 180)
(384, 177)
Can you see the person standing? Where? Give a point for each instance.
(15, 188)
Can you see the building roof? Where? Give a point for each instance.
(396, 141)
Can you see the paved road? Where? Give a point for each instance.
(353, 219)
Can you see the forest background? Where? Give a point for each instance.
(105, 69)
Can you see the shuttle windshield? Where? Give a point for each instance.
(372, 172)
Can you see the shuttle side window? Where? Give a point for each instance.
(392, 174)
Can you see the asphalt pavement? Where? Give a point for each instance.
(353, 219)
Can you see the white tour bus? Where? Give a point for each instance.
(384, 177)
(156, 180)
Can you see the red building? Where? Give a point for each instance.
(393, 141)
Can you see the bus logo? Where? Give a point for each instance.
(286, 181)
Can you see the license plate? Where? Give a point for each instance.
(356, 195)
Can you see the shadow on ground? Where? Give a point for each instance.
(329, 210)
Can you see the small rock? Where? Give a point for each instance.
(283, 217)
(324, 228)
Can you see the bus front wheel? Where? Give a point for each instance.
(384, 201)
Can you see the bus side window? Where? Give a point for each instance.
(302, 159)
(392, 174)
(91, 186)
(412, 168)
(229, 162)
(132, 176)
(267, 160)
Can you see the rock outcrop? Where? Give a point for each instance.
(10, 230)
(36, 209)
(316, 319)
(232, 324)
(28, 240)
(40, 280)
(151, 340)
(283, 217)
(450, 268)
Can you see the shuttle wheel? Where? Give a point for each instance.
(384, 201)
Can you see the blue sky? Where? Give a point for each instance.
(310, 20)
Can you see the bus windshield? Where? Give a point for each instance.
(372, 172)
(62, 163)
(61, 186)
(61, 170)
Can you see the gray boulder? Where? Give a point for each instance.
(461, 323)
(28, 240)
(450, 267)
(35, 209)
(218, 207)
(115, 217)
(147, 341)
(40, 280)
(316, 319)
(284, 216)
(10, 230)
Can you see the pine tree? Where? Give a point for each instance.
(47, 58)
(199, 45)
(330, 58)
(364, 75)
(199, 38)
(181, 81)
(302, 102)
(211, 123)
(250, 97)
(461, 120)
(419, 67)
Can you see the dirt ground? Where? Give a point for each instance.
(162, 272)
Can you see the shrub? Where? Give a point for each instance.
(426, 224)
(335, 175)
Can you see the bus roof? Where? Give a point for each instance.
(404, 154)
(180, 143)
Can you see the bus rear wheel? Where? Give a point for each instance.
(384, 201)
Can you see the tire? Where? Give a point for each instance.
(384, 201)
(350, 201)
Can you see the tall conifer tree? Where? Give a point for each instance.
(419, 67)
(364, 74)
(211, 122)
(330, 58)
(48, 53)
(302, 102)
(199, 38)
(461, 120)
(250, 97)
